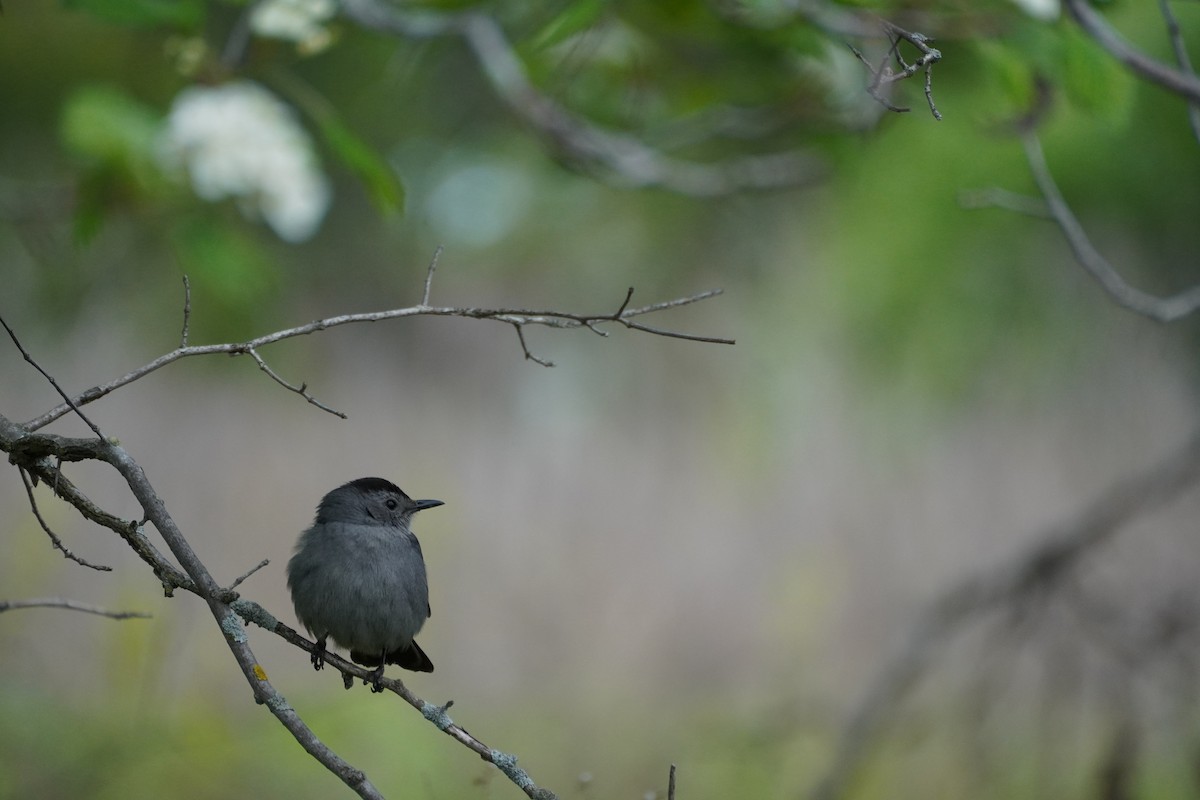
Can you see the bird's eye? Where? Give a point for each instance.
(391, 504)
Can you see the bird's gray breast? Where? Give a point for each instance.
(363, 586)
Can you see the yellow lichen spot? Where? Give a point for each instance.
(260, 673)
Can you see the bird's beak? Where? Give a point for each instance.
(421, 505)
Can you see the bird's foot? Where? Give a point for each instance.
(376, 680)
(318, 655)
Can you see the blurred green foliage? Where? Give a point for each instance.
(693, 79)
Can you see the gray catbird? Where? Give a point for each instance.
(358, 576)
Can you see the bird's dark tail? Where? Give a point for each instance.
(411, 658)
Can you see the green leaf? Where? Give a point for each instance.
(104, 124)
(188, 14)
(384, 186)
(574, 19)
(1094, 81)
(114, 136)
(1008, 70)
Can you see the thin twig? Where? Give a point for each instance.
(1181, 57)
(624, 305)
(54, 540)
(883, 75)
(511, 316)
(433, 262)
(248, 573)
(1165, 309)
(671, 784)
(187, 311)
(70, 404)
(301, 390)
(525, 348)
(73, 605)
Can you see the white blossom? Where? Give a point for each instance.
(294, 20)
(1047, 10)
(237, 140)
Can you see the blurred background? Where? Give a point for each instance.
(657, 551)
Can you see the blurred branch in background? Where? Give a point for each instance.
(1041, 570)
(1175, 33)
(1182, 82)
(1054, 206)
(621, 158)
(1166, 309)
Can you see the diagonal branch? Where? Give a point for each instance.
(54, 540)
(1164, 309)
(32, 451)
(36, 452)
(1181, 56)
(254, 613)
(1182, 82)
(69, 404)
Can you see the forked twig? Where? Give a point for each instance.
(54, 540)
(517, 317)
(883, 75)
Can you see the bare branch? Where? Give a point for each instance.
(883, 76)
(230, 624)
(41, 455)
(253, 613)
(620, 157)
(1166, 309)
(671, 784)
(73, 605)
(1183, 83)
(54, 540)
(1181, 57)
(1054, 555)
(433, 262)
(518, 317)
(525, 348)
(70, 405)
(248, 573)
(187, 311)
(31, 450)
(301, 390)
